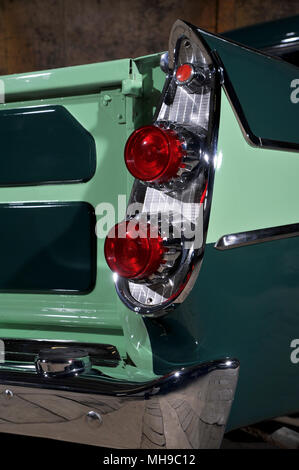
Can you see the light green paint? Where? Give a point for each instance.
(254, 188)
(101, 97)
(71, 80)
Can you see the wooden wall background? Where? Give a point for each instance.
(41, 34)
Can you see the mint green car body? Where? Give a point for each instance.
(245, 302)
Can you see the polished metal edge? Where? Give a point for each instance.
(282, 48)
(68, 362)
(97, 382)
(186, 409)
(252, 237)
(26, 350)
(179, 30)
(248, 134)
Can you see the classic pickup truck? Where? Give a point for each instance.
(150, 242)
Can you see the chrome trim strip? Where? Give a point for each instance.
(187, 408)
(95, 381)
(26, 350)
(282, 48)
(249, 136)
(252, 237)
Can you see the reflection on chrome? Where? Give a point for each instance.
(185, 409)
(257, 236)
(218, 160)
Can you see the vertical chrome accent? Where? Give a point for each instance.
(252, 237)
(197, 113)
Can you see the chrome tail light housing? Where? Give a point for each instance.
(173, 162)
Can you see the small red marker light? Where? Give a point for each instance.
(131, 252)
(154, 154)
(184, 73)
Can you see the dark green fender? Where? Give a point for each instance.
(245, 303)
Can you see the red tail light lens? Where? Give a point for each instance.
(131, 256)
(154, 154)
(184, 73)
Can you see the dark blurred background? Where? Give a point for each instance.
(40, 34)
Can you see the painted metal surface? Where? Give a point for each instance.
(245, 301)
(48, 248)
(68, 81)
(100, 98)
(44, 144)
(254, 188)
(260, 36)
(262, 85)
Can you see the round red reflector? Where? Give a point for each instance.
(154, 154)
(131, 252)
(184, 73)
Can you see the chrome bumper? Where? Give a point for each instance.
(186, 409)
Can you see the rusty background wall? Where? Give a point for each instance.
(40, 34)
